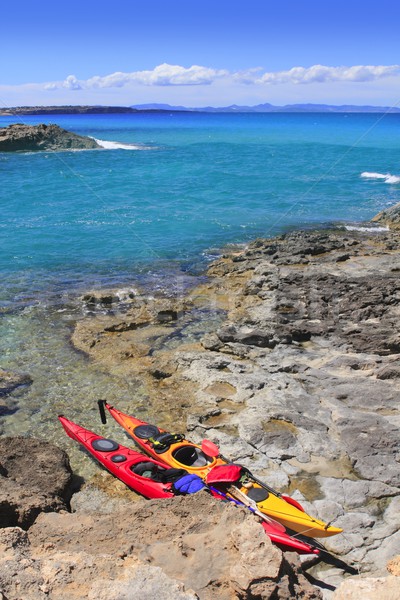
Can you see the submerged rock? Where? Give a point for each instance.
(29, 138)
(10, 380)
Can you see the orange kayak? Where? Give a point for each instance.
(175, 451)
(175, 454)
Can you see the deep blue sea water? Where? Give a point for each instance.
(194, 183)
(168, 193)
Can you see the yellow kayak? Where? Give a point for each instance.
(174, 450)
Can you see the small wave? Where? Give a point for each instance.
(117, 145)
(393, 179)
(127, 295)
(366, 229)
(368, 175)
(386, 177)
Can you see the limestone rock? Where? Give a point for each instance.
(184, 548)
(19, 137)
(390, 216)
(393, 566)
(300, 382)
(368, 588)
(35, 477)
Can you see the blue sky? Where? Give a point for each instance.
(198, 53)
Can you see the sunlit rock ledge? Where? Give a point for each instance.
(390, 217)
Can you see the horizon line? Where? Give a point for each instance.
(165, 107)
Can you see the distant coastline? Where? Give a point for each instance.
(65, 110)
(234, 108)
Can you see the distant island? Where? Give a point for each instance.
(234, 108)
(270, 108)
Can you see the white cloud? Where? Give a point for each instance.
(249, 76)
(200, 86)
(162, 75)
(175, 75)
(72, 83)
(323, 74)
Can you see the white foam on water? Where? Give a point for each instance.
(393, 179)
(366, 229)
(127, 294)
(368, 175)
(117, 145)
(386, 177)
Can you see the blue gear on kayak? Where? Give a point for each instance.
(188, 484)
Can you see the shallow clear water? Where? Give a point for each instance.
(154, 214)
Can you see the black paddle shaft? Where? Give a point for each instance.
(102, 412)
(264, 485)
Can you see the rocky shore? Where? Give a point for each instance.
(31, 138)
(184, 548)
(294, 370)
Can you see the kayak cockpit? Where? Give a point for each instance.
(191, 456)
(156, 472)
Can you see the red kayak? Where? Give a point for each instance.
(138, 471)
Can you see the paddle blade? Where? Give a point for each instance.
(224, 474)
(273, 527)
(102, 412)
(209, 448)
(293, 502)
(244, 499)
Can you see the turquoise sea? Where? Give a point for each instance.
(163, 196)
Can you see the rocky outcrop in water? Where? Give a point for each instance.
(30, 138)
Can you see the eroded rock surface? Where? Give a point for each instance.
(390, 217)
(35, 477)
(299, 381)
(185, 548)
(30, 138)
